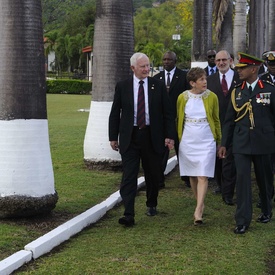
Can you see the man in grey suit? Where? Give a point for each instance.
(143, 138)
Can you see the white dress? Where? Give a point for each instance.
(197, 149)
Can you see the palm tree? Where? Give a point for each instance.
(50, 46)
(223, 13)
(26, 181)
(112, 49)
(77, 46)
(257, 27)
(240, 27)
(155, 53)
(64, 49)
(202, 29)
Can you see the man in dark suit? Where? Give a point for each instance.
(141, 116)
(211, 67)
(225, 173)
(176, 83)
(249, 123)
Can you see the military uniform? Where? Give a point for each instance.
(249, 125)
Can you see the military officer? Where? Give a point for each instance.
(269, 75)
(249, 125)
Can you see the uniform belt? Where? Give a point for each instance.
(194, 120)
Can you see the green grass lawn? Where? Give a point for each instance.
(168, 243)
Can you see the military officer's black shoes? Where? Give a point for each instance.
(228, 201)
(240, 229)
(151, 211)
(264, 218)
(127, 221)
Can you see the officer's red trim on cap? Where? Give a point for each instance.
(247, 60)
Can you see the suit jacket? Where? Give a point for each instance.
(214, 85)
(121, 119)
(210, 102)
(260, 139)
(178, 85)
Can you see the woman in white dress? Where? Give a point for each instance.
(199, 134)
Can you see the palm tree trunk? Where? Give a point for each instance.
(257, 28)
(240, 28)
(226, 35)
(26, 174)
(202, 29)
(112, 49)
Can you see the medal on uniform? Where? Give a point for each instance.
(258, 99)
(239, 96)
(264, 100)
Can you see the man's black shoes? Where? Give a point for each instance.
(228, 201)
(218, 190)
(127, 221)
(240, 229)
(264, 218)
(151, 211)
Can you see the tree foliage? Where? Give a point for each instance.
(68, 27)
(54, 11)
(73, 21)
(157, 25)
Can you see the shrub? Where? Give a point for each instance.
(69, 86)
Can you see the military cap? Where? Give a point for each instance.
(269, 56)
(247, 60)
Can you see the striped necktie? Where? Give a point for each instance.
(141, 106)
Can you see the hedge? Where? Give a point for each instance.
(68, 86)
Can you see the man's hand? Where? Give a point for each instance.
(114, 145)
(170, 143)
(222, 152)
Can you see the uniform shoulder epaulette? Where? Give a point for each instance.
(262, 74)
(268, 82)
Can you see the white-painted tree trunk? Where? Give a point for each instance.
(112, 49)
(97, 147)
(25, 159)
(26, 172)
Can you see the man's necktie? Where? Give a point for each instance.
(224, 85)
(168, 82)
(141, 106)
(250, 89)
(211, 71)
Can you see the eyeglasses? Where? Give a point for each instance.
(222, 59)
(211, 56)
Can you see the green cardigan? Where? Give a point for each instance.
(211, 105)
